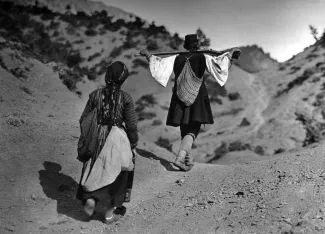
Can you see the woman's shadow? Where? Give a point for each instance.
(63, 189)
(165, 163)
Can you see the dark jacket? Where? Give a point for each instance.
(200, 110)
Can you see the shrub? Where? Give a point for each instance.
(144, 101)
(234, 111)
(79, 42)
(146, 115)
(244, 123)
(298, 81)
(278, 151)
(164, 143)
(220, 151)
(140, 63)
(259, 150)
(74, 59)
(156, 122)
(152, 45)
(238, 146)
(117, 51)
(18, 72)
(91, 32)
(26, 90)
(56, 34)
(92, 57)
(294, 69)
(233, 96)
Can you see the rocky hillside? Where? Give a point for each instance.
(75, 6)
(254, 59)
(39, 173)
(256, 113)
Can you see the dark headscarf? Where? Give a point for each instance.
(115, 76)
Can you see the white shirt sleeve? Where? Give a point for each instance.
(161, 68)
(218, 67)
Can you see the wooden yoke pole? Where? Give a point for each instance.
(213, 52)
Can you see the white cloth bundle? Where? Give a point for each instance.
(162, 68)
(115, 156)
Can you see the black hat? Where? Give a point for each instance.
(191, 40)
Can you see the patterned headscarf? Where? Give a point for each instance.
(115, 76)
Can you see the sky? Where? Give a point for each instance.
(280, 27)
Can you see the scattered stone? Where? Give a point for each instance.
(189, 205)
(239, 193)
(180, 181)
(10, 229)
(33, 197)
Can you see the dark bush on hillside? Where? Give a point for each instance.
(26, 90)
(74, 59)
(18, 73)
(164, 143)
(117, 51)
(91, 32)
(156, 122)
(215, 91)
(238, 146)
(232, 112)
(140, 63)
(234, 96)
(312, 56)
(298, 81)
(175, 42)
(92, 57)
(220, 151)
(146, 115)
(244, 123)
(79, 42)
(259, 150)
(147, 100)
(152, 45)
(70, 19)
(294, 69)
(279, 151)
(319, 99)
(54, 25)
(56, 34)
(70, 78)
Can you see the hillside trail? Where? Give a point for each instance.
(39, 176)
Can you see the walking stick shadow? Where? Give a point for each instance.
(62, 188)
(164, 162)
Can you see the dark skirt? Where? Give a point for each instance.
(113, 194)
(199, 112)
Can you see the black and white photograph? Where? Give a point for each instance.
(162, 117)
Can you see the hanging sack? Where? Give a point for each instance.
(89, 134)
(188, 85)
